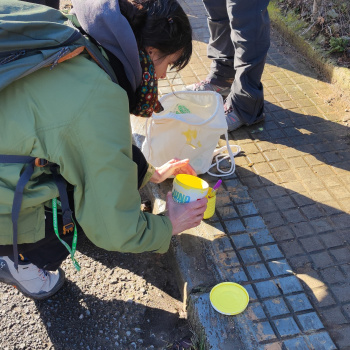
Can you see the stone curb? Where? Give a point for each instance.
(230, 248)
(340, 76)
(194, 268)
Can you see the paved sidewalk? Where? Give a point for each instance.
(296, 167)
(282, 222)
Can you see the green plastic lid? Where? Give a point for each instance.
(229, 298)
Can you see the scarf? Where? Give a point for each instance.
(147, 93)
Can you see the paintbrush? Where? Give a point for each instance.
(215, 188)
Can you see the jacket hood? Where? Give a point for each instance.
(103, 20)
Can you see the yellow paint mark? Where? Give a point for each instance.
(191, 135)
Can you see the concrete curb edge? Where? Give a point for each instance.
(339, 76)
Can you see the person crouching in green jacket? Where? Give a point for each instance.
(76, 117)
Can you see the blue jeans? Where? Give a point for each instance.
(238, 45)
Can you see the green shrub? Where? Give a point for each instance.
(337, 44)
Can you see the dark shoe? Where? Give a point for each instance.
(205, 85)
(233, 122)
(33, 282)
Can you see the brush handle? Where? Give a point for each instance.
(215, 188)
(217, 185)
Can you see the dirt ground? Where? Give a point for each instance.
(116, 301)
(326, 22)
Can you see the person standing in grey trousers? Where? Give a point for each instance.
(238, 45)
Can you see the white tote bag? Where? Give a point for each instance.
(189, 127)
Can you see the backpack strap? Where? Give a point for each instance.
(68, 224)
(17, 199)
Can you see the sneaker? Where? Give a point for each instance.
(33, 282)
(233, 122)
(205, 85)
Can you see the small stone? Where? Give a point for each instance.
(335, 27)
(81, 316)
(128, 333)
(332, 13)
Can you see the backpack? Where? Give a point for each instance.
(36, 36)
(32, 37)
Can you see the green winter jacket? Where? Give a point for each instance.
(75, 116)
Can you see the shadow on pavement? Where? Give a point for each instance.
(301, 191)
(324, 140)
(298, 237)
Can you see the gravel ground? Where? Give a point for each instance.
(116, 301)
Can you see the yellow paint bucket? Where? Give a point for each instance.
(188, 188)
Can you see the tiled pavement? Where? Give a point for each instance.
(286, 215)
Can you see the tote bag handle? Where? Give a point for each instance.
(148, 136)
(182, 117)
(220, 156)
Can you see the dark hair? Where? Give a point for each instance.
(161, 24)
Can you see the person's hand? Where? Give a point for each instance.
(173, 167)
(187, 215)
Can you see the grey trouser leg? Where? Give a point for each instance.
(238, 45)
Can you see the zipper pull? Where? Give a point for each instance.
(12, 57)
(62, 53)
